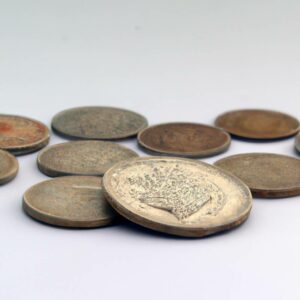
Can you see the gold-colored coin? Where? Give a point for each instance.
(9, 167)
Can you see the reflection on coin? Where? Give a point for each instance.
(177, 196)
(184, 139)
(267, 175)
(298, 142)
(73, 201)
(258, 124)
(99, 123)
(21, 135)
(82, 158)
(8, 167)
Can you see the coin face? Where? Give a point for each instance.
(184, 139)
(267, 175)
(177, 196)
(103, 123)
(8, 167)
(298, 142)
(258, 124)
(82, 158)
(73, 201)
(21, 135)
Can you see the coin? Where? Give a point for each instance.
(267, 175)
(99, 123)
(177, 196)
(8, 167)
(184, 139)
(21, 135)
(81, 158)
(258, 124)
(298, 142)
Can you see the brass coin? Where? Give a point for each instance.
(8, 167)
(81, 158)
(258, 124)
(73, 201)
(184, 139)
(267, 175)
(21, 135)
(298, 142)
(177, 196)
(99, 123)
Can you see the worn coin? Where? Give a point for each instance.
(99, 123)
(184, 139)
(267, 175)
(177, 196)
(21, 135)
(8, 167)
(73, 201)
(298, 142)
(258, 124)
(81, 158)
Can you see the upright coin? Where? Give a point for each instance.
(177, 196)
(99, 123)
(82, 158)
(184, 139)
(298, 142)
(73, 201)
(267, 175)
(21, 135)
(8, 167)
(258, 124)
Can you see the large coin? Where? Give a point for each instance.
(267, 175)
(73, 201)
(298, 143)
(8, 167)
(103, 123)
(177, 196)
(258, 124)
(21, 135)
(184, 139)
(82, 158)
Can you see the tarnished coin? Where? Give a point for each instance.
(177, 196)
(8, 167)
(99, 123)
(258, 124)
(184, 139)
(73, 201)
(21, 135)
(298, 142)
(82, 158)
(267, 175)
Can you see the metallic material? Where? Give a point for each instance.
(9, 167)
(297, 143)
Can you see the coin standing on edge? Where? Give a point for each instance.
(98, 123)
(177, 196)
(297, 144)
(184, 139)
(21, 135)
(9, 167)
(258, 124)
(267, 175)
(73, 201)
(91, 158)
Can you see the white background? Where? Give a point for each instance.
(171, 61)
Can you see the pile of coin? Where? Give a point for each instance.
(98, 182)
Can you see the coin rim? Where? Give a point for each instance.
(13, 171)
(297, 143)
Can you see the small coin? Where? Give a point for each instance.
(81, 158)
(73, 201)
(184, 139)
(258, 124)
(177, 196)
(99, 123)
(21, 135)
(298, 142)
(267, 175)
(8, 167)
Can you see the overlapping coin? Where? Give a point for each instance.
(8, 167)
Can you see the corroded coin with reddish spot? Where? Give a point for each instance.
(8, 167)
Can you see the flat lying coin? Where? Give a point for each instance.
(8, 167)
(21, 135)
(298, 142)
(258, 124)
(99, 123)
(177, 196)
(267, 175)
(74, 201)
(82, 158)
(184, 139)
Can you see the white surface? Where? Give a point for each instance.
(169, 60)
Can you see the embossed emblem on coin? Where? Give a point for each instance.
(177, 196)
(297, 144)
(73, 201)
(8, 167)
